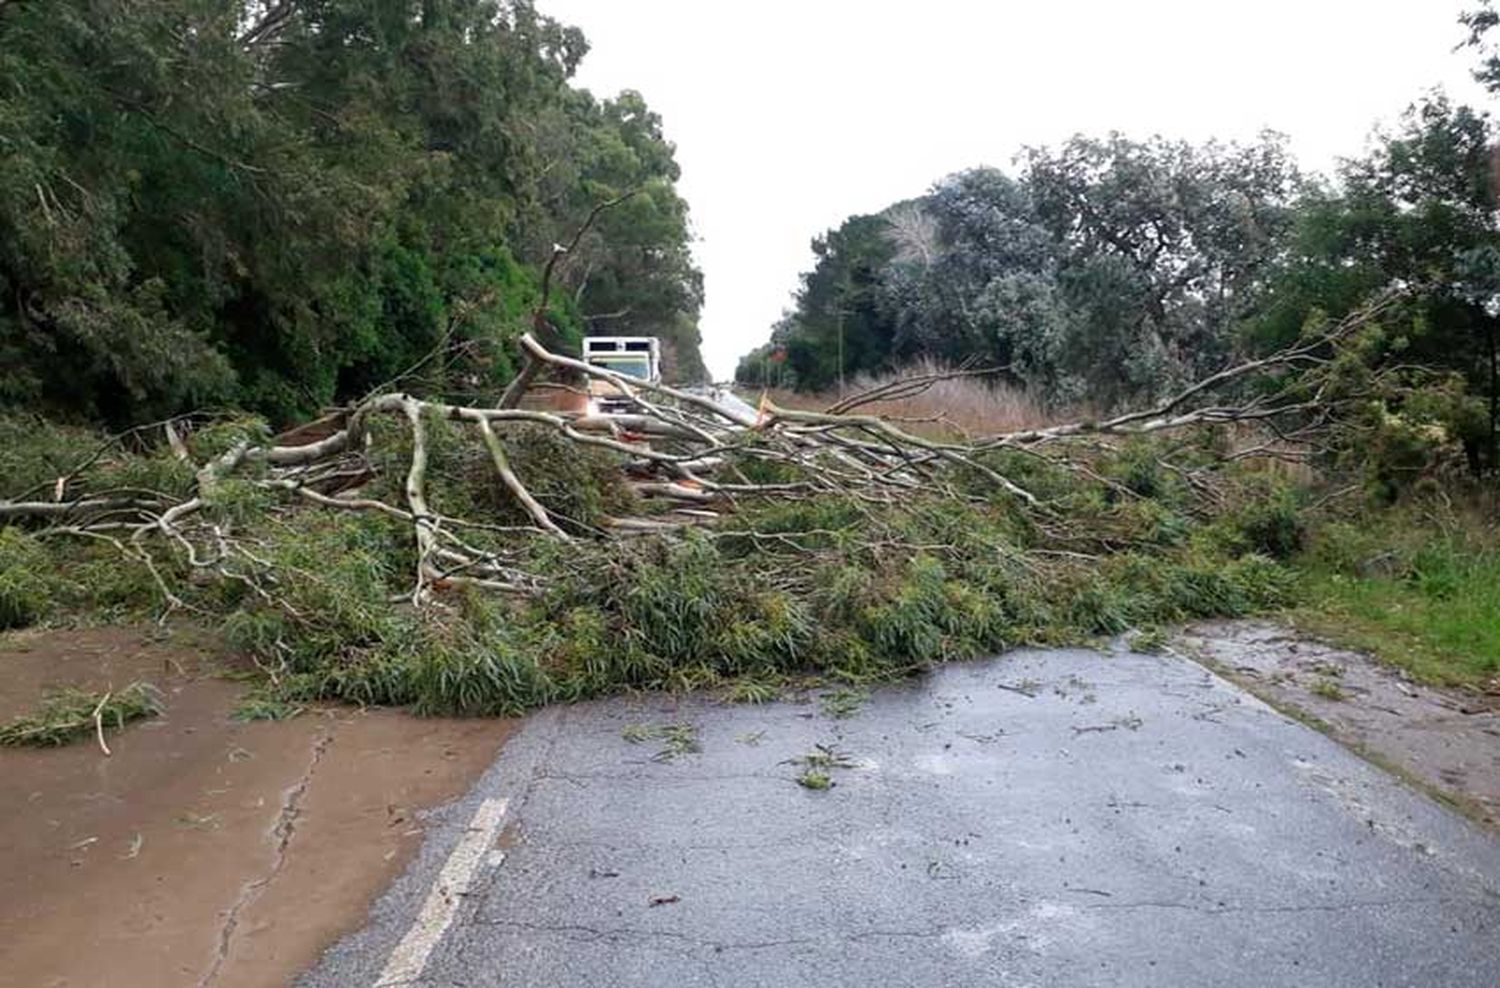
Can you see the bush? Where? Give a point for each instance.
(1273, 525)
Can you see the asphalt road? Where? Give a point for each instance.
(1044, 818)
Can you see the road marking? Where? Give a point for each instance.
(410, 956)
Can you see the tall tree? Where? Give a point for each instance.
(1418, 212)
(1107, 270)
(280, 203)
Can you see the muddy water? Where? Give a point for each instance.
(204, 851)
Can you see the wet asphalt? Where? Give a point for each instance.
(1061, 817)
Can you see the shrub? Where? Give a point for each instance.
(1273, 525)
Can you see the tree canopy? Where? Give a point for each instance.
(1106, 267)
(276, 204)
(1108, 271)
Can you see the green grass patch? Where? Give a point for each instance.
(264, 705)
(1327, 689)
(818, 764)
(1424, 598)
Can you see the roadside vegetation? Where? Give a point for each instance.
(1420, 590)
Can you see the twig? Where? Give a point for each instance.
(99, 722)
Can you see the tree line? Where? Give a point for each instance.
(1109, 271)
(279, 204)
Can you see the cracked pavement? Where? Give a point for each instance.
(1042, 818)
(282, 832)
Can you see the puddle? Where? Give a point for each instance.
(204, 850)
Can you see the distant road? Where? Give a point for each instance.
(1045, 818)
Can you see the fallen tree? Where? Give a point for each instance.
(748, 523)
(680, 447)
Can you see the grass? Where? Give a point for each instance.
(1423, 598)
(69, 714)
(1150, 641)
(263, 705)
(825, 756)
(818, 764)
(748, 689)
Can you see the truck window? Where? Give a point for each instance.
(633, 364)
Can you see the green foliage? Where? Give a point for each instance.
(1108, 270)
(581, 485)
(336, 574)
(69, 714)
(34, 452)
(818, 765)
(673, 606)
(1111, 271)
(1327, 689)
(752, 689)
(1151, 640)
(843, 702)
(821, 585)
(473, 677)
(697, 610)
(26, 592)
(1415, 212)
(274, 208)
(1268, 521)
(1421, 591)
(814, 779)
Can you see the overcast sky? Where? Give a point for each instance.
(790, 115)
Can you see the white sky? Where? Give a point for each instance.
(790, 115)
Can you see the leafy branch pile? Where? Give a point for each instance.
(482, 559)
(69, 714)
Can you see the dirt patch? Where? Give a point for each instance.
(1447, 741)
(205, 851)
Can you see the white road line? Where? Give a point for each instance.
(410, 956)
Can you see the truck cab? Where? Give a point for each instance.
(628, 356)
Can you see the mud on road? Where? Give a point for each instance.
(205, 851)
(1446, 741)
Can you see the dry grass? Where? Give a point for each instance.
(980, 406)
(963, 405)
(1261, 449)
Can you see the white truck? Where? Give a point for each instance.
(629, 356)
